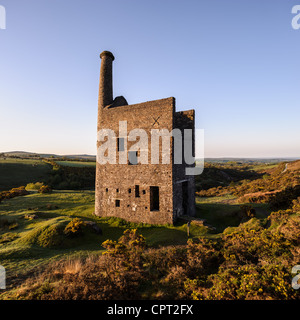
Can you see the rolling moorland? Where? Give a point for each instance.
(242, 244)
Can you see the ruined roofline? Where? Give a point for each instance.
(143, 104)
(186, 111)
(185, 118)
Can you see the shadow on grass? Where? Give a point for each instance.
(158, 236)
(222, 215)
(16, 173)
(219, 215)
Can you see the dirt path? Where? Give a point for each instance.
(285, 168)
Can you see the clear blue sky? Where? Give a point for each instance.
(236, 62)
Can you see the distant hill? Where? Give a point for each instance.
(251, 160)
(25, 154)
(81, 156)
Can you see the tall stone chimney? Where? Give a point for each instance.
(105, 98)
(106, 83)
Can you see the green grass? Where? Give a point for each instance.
(264, 166)
(218, 214)
(222, 212)
(25, 251)
(27, 244)
(76, 163)
(18, 172)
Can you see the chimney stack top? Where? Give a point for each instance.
(107, 53)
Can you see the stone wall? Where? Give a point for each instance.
(184, 185)
(117, 181)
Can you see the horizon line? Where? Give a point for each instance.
(208, 157)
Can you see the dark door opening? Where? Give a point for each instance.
(154, 198)
(185, 197)
(137, 191)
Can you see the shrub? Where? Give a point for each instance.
(203, 257)
(45, 189)
(74, 227)
(130, 245)
(244, 283)
(296, 205)
(15, 192)
(280, 216)
(248, 262)
(253, 245)
(34, 186)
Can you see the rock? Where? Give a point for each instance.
(30, 216)
(94, 226)
(198, 221)
(50, 206)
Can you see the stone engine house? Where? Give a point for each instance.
(137, 192)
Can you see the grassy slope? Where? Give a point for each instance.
(23, 253)
(18, 172)
(76, 163)
(222, 212)
(264, 166)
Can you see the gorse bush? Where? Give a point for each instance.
(247, 282)
(248, 262)
(74, 227)
(15, 192)
(39, 186)
(34, 186)
(45, 189)
(296, 205)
